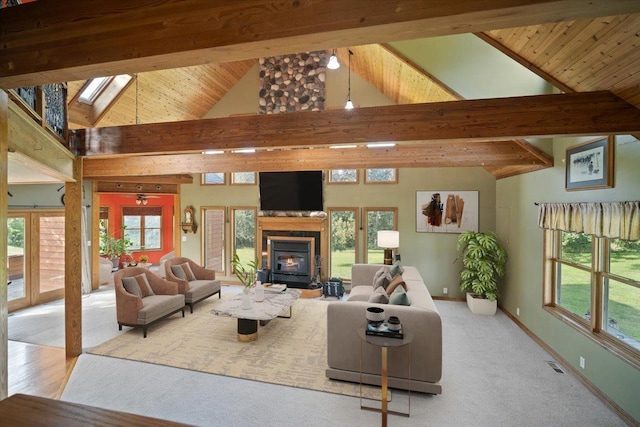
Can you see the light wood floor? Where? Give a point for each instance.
(38, 370)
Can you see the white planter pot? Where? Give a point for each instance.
(481, 305)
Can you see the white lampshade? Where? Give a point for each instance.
(388, 239)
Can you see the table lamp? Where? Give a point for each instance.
(389, 240)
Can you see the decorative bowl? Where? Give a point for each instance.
(375, 315)
(394, 323)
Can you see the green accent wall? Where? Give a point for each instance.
(517, 216)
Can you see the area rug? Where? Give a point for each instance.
(290, 352)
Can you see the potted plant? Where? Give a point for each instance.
(246, 275)
(143, 259)
(483, 259)
(114, 248)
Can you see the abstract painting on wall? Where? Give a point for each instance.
(446, 211)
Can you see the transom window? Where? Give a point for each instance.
(143, 226)
(343, 176)
(243, 178)
(213, 178)
(381, 176)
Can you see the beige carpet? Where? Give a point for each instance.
(290, 352)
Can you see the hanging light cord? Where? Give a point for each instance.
(349, 91)
(137, 120)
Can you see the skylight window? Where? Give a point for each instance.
(92, 89)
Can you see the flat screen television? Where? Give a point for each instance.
(291, 191)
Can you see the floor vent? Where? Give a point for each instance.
(555, 366)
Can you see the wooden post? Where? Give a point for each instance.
(4, 304)
(73, 262)
(95, 237)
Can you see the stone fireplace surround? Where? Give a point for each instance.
(297, 227)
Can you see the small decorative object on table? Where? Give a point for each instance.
(392, 328)
(375, 316)
(259, 295)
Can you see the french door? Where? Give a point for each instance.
(35, 257)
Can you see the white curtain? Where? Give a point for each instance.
(616, 220)
(86, 258)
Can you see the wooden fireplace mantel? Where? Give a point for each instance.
(312, 224)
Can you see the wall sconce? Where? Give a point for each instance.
(389, 240)
(189, 224)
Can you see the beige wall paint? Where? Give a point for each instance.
(243, 97)
(432, 253)
(516, 216)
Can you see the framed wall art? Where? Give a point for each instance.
(590, 165)
(446, 211)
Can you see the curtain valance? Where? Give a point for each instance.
(616, 220)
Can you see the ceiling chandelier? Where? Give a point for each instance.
(333, 61)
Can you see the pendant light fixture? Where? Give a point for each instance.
(349, 104)
(333, 61)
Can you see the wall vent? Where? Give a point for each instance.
(555, 366)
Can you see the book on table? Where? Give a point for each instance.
(275, 288)
(383, 330)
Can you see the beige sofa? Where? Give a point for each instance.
(421, 317)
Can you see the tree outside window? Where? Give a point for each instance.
(143, 227)
(343, 176)
(378, 219)
(381, 175)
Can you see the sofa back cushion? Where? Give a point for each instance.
(362, 274)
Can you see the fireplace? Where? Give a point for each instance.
(291, 260)
(300, 229)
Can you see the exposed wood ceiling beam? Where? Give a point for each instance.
(151, 179)
(577, 114)
(128, 186)
(453, 154)
(45, 42)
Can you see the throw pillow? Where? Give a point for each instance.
(399, 297)
(396, 282)
(178, 271)
(395, 270)
(381, 278)
(188, 273)
(379, 296)
(143, 282)
(131, 285)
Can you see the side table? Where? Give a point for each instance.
(384, 343)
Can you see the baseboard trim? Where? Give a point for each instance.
(447, 298)
(588, 384)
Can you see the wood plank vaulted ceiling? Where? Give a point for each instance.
(576, 56)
